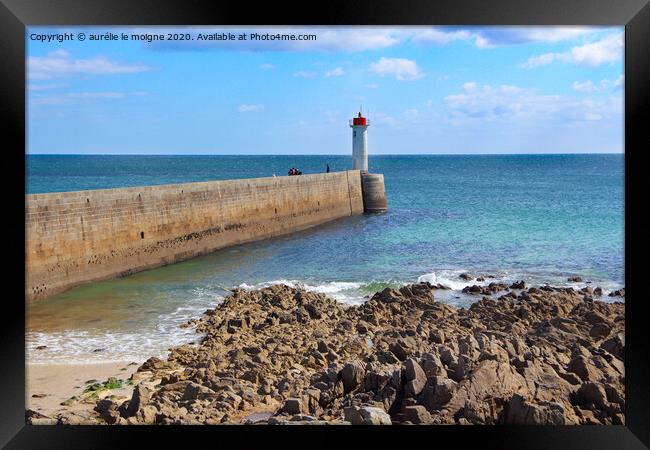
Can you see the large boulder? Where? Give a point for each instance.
(581, 366)
(600, 330)
(417, 414)
(366, 415)
(352, 374)
(592, 393)
(415, 378)
(443, 390)
(615, 345)
(490, 379)
(293, 406)
(195, 391)
(521, 412)
(401, 349)
(141, 396)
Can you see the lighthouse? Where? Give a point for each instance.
(372, 184)
(359, 127)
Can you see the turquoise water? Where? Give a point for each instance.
(540, 218)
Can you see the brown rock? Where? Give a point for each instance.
(415, 378)
(518, 285)
(594, 317)
(292, 406)
(592, 393)
(437, 336)
(615, 345)
(401, 349)
(600, 330)
(366, 415)
(521, 412)
(194, 391)
(582, 367)
(417, 414)
(352, 375)
(139, 399)
(438, 392)
(304, 357)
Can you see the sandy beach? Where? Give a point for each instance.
(49, 385)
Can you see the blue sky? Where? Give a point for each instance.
(447, 90)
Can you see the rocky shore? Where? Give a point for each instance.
(279, 355)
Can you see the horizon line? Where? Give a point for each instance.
(322, 154)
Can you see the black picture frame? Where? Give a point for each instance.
(15, 15)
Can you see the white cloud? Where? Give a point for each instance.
(333, 116)
(606, 50)
(498, 36)
(411, 114)
(60, 63)
(402, 69)
(620, 81)
(356, 39)
(489, 37)
(439, 36)
(44, 87)
(542, 60)
(469, 86)
(72, 97)
(97, 95)
(584, 86)
(512, 103)
(250, 108)
(593, 116)
(372, 86)
(266, 66)
(304, 74)
(589, 86)
(553, 34)
(335, 72)
(384, 119)
(509, 89)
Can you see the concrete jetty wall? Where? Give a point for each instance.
(81, 236)
(374, 192)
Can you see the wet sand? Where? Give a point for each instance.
(56, 383)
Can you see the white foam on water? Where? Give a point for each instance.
(152, 339)
(346, 292)
(451, 278)
(335, 287)
(448, 279)
(455, 297)
(77, 346)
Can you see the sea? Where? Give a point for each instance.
(537, 218)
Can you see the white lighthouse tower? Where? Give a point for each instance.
(372, 184)
(359, 127)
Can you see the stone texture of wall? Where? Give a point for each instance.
(81, 236)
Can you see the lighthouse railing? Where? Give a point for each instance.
(364, 125)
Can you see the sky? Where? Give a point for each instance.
(438, 90)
